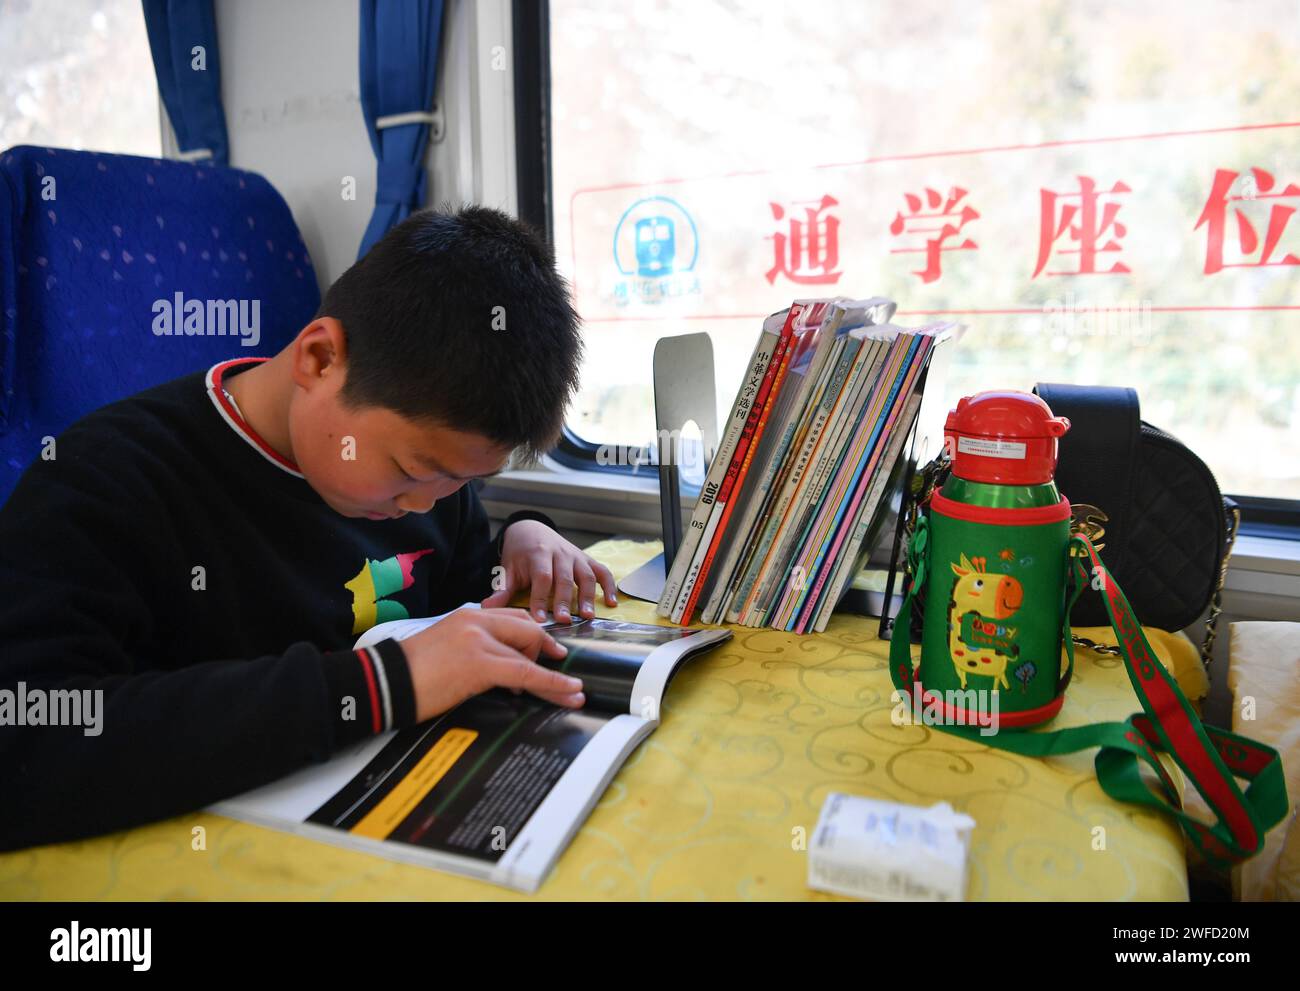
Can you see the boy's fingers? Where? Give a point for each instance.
(586, 589)
(512, 670)
(541, 580)
(574, 700)
(606, 579)
(502, 595)
(516, 629)
(562, 590)
(516, 611)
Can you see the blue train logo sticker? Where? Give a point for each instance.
(656, 250)
(656, 245)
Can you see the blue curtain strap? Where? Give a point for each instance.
(398, 63)
(401, 184)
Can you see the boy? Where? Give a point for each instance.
(187, 575)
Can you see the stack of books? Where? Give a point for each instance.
(828, 399)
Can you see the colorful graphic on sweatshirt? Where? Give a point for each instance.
(374, 582)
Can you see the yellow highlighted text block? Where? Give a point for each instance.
(380, 821)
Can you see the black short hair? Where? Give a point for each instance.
(458, 317)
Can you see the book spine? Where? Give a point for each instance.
(864, 523)
(845, 518)
(830, 514)
(841, 428)
(704, 504)
(792, 439)
(707, 509)
(736, 472)
(779, 432)
(839, 432)
(823, 601)
(847, 564)
(861, 432)
(790, 508)
(746, 573)
(718, 597)
(705, 519)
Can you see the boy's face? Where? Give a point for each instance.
(372, 462)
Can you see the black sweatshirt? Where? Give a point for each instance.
(169, 558)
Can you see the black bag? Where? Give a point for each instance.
(1150, 505)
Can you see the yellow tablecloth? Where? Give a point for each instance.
(713, 805)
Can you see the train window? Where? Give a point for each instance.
(1103, 192)
(78, 75)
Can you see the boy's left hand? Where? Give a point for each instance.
(535, 555)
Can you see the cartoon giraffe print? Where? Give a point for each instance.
(990, 597)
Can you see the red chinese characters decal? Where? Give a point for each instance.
(943, 220)
(1090, 223)
(1257, 185)
(808, 251)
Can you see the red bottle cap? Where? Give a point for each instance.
(1003, 437)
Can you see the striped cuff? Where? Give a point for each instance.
(370, 690)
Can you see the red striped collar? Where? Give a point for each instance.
(217, 393)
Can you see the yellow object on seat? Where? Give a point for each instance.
(1264, 677)
(1179, 655)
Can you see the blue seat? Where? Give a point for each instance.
(94, 249)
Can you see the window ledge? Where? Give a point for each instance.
(602, 502)
(605, 502)
(1271, 554)
(1264, 577)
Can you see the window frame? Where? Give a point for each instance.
(1261, 516)
(531, 28)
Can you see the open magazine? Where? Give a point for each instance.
(495, 788)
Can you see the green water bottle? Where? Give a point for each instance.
(989, 558)
(997, 561)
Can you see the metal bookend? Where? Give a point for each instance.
(685, 391)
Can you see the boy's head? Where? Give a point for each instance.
(451, 345)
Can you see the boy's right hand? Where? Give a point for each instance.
(474, 650)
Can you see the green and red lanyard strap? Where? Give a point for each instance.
(1212, 759)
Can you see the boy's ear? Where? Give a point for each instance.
(320, 350)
